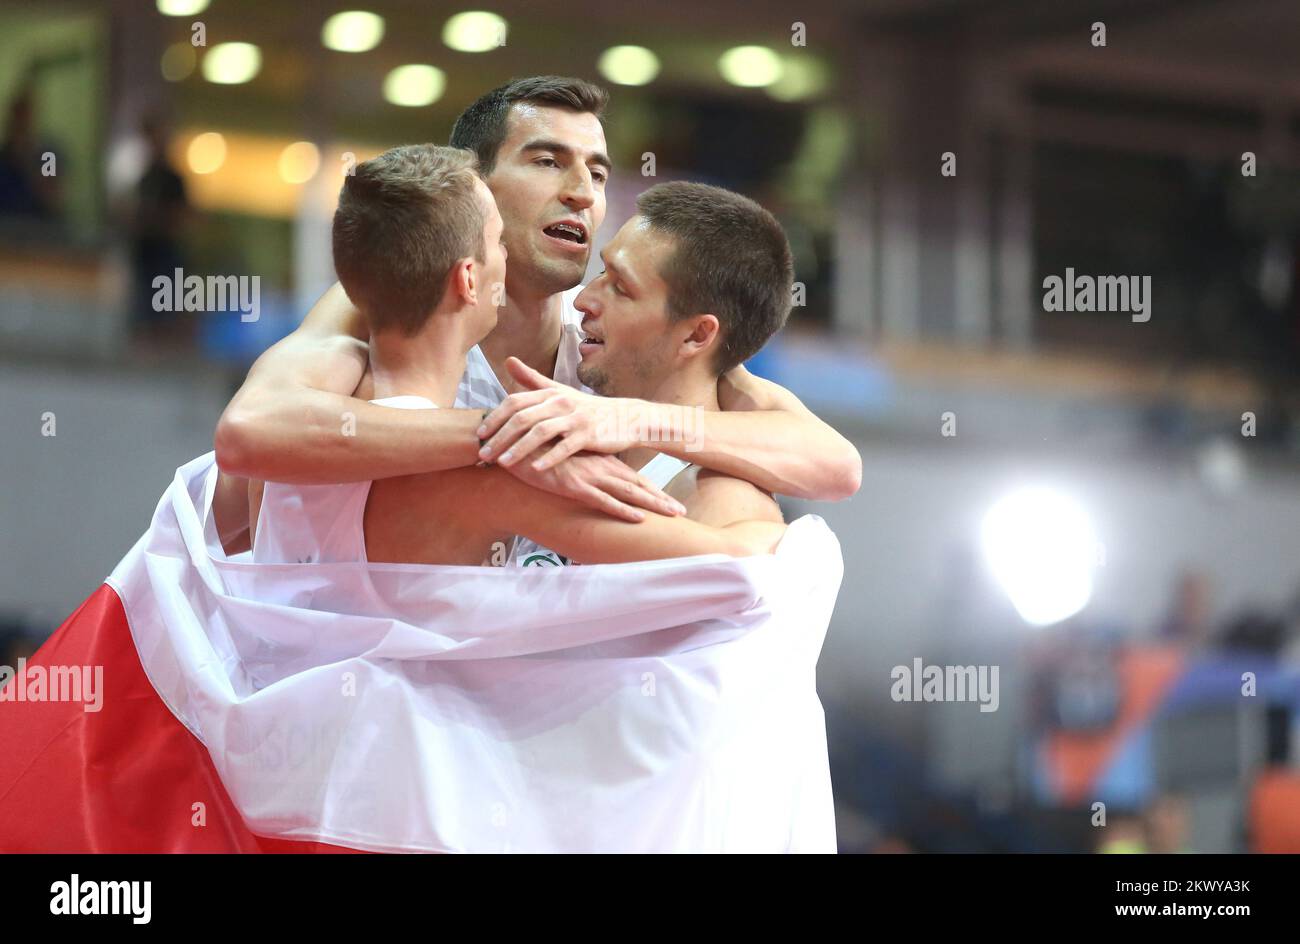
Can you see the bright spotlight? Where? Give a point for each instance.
(232, 63)
(628, 65)
(475, 31)
(181, 7)
(414, 85)
(1041, 547)
(750, 66)
(352, 31)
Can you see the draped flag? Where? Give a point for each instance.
(663, 706)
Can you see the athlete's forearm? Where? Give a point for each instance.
(311, 437)
(585, 535)
(782, 452)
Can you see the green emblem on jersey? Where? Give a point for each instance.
(537, 560)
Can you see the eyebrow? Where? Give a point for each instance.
(597, 157)
(618, 270)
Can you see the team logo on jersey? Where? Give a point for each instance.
(548, 559)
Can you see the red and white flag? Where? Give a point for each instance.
(658, 706)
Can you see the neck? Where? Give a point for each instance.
(529, 328)
(429, 364)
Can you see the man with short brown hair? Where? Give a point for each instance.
(418, 243)
(548, 175)
(402, 221)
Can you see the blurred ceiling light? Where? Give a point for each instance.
(178, 61)
(801, 77)
(206, 152)
(475, 31)
(628, 65)
(352, 31)
(232, 63)
(181, 7)
(299, 162)
(1042, 549)
(414, 85)
(750, 66)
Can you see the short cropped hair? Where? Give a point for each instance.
(730, 259)
(404, 219)
(483, 125)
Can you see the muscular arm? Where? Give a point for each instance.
(763, 433)
(766, 436)
(716, 499)
(295, 419)
(498, 504)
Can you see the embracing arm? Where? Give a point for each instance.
(766, 436)
(763, 433)
(496, 500)
(295, 419)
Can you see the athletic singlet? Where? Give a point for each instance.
(481, 390)
(318, 524)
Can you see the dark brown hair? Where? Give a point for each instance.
(403, 220)
(731, 259)
(482, 126)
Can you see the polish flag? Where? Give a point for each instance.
(196, 703)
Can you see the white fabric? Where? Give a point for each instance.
(525, 552)
(313, 524)
(659, 706)
(663, 468)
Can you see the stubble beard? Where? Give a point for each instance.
(595, 378)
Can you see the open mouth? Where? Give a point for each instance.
(570, 232)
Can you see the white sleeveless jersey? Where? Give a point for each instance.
(318, 524)
(481, 390)
(307, 524)
(660, 470)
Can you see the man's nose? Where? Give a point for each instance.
(583, 302)
(579, 191)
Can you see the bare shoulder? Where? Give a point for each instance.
(718, 499)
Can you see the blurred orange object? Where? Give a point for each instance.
(1076, 759)
(1275, 812)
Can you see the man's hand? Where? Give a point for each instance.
(601, 482)
(549, 410)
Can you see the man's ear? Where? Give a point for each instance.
(464, 280)
(703, 335)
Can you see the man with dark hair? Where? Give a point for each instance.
(674, 306)
(418, 245)
(729, 257)
(694, 284)
(482, 127)
(548, 175)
